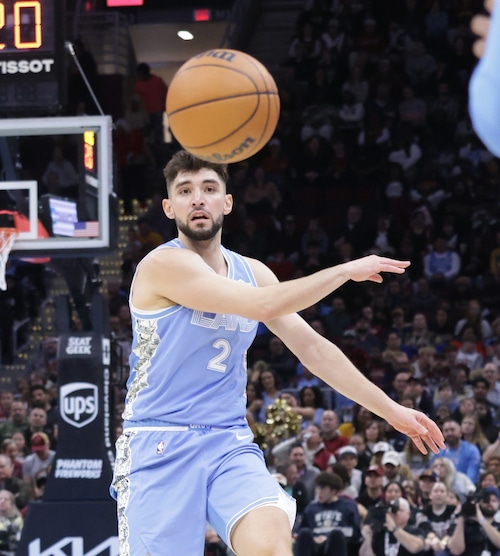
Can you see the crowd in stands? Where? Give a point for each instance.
(374, 153)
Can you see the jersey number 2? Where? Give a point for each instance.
(217, 362)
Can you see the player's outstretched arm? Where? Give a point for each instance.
(181, 276)
(327, 361)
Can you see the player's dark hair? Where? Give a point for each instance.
(182, 161)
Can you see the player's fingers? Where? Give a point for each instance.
(480, 25)
(478, 48)
(395, 262)
(376, 278)
(419, 444)
(489, 5)
(435, 433)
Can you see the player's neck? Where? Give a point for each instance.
(209, 250)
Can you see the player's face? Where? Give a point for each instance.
(198, 203)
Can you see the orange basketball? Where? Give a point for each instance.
(223, 105)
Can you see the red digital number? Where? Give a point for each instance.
(24, 8)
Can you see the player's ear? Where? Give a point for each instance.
(228, 204)
(167, 209)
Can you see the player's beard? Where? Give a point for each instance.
(201, 234)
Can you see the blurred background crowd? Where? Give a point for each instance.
(374, 153)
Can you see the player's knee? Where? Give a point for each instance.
(264, 531)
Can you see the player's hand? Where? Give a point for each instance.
(370, 267)
(415, 424)
(480, 25)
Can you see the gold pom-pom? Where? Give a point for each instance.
(281, 423)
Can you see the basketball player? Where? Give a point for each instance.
(186, 455)
(484, 86)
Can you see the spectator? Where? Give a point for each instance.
(268, 391)
(440, 515)
(416, 462)
(38, 464)
(281, 360)
(425, 481)
(329, 432)
(348, 458)
(153, 91)
(441, 265)
(465, 456)
(391, 467)
(18, 420)
(418, 335)
(9, 448)
(479, 531)
(314, 449)
(372, 494)
(456, 481)
(311, 405)
(11, 523)
(60, 175)
(468, 352)
(306, 473)
(396, 537)
(364, 455)
(16, 486)
(473, 434)
(40, 398)
(330, 521)
(337, 320)
(37, 420)
(294, 487)
(475, 321)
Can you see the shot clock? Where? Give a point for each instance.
(32, 56)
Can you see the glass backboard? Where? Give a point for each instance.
(56, 178)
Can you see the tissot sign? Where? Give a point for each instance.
(77, 513)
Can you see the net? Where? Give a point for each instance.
(7, 238)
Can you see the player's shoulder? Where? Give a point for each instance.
(263, 274)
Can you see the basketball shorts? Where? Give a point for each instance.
(170, 480)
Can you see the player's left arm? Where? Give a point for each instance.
(328, 362)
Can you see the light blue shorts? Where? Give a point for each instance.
(169, 481)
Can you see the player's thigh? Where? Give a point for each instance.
(241, 485)
(160, 496)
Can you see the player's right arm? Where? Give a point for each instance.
(180, 276)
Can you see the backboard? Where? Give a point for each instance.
(56, 175)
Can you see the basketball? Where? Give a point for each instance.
(222, 106)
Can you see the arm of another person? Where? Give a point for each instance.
(484, 85)
(456, 544)
(366, 547)
(492, 450)
(491, 531)
(329, 363)
(412, 543)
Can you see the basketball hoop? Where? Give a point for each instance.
(8, 234)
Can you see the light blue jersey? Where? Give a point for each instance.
(197, 373)
(186, 455)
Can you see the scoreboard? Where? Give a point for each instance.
(32, 55)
